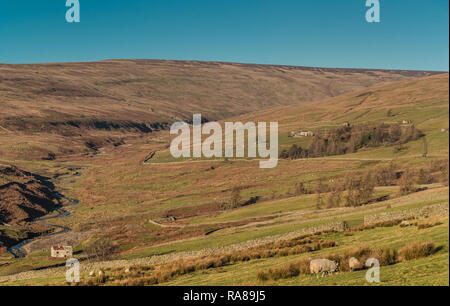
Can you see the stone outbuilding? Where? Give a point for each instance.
(61, 251)
(407, 121)
(301, 134)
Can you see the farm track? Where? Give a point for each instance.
(4, 129)
(295, 160)
(165, 225)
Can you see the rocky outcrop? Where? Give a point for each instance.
(25, 197)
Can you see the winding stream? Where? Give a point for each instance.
(17, 251)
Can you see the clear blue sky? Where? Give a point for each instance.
(413, 34)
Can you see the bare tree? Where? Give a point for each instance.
(425, 147)
(366, 189)
(100, 249)
(235, 199)
(334, 199)
(319, 190)
(300, 189)
(407, 185)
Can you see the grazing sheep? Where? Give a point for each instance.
(323, 265)
(354, 264)
(405, 223)
(92, 273)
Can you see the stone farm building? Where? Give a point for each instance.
(61, 251)
(301, 134)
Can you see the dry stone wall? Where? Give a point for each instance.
(417, 213)
(87, 266)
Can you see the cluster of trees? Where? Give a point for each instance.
(358, 189)
(349, 139)
(355, 191)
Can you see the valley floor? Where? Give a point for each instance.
(160, 216)
(432, 270)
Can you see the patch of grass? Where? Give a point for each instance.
(417, 250)
(431, 270)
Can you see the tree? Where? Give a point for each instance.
(386, 175)
(425, 147)
(334, 199)
(392, 171)
(422, 179)
(284, 154)
(352, 198)
(319, 190)
(300, 189)
(407, 184)
(319, 201)
(366, 189)
(445, 175)
(100, 249)
(235, 200)
(395, 132)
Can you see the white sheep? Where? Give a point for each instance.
(323, 265)
(354, 264)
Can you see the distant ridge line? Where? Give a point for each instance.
(239, 64)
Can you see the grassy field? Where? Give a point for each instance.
(432, 270)
(124, 199)
(355, 217)
(429, 271)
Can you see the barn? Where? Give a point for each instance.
(61, 251)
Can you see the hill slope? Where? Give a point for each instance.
(368, 104)
(169, 207)
(161, 91)
(422, 102)
(51, 110)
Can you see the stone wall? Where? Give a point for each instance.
(417, 213)
(87, 266)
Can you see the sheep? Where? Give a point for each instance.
(323, 265)
(354, 264)
(405, 223)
